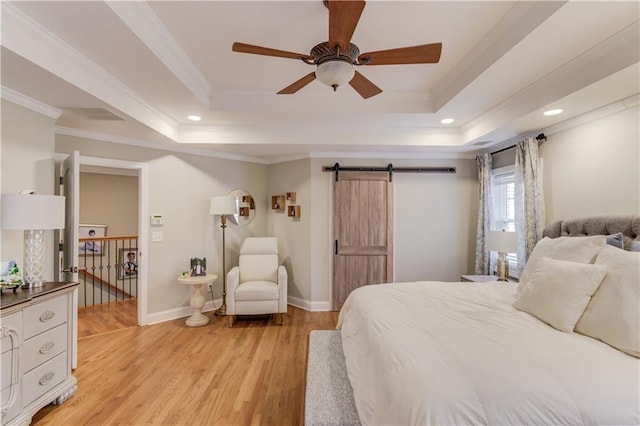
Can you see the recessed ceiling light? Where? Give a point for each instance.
(194, 117)
(553, 112)
(446, 120)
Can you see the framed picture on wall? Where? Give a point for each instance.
(91, 247)
(127, 263)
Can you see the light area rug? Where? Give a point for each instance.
(329, 396)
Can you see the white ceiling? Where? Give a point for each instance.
(153, 63)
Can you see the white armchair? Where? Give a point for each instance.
(258, 285)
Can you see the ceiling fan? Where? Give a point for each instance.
(335, 59)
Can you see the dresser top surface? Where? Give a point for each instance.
(8, 298)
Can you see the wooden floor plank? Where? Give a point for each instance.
(104, 318)
(251, 374)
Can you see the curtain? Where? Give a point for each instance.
(529, 202)
(484, 214)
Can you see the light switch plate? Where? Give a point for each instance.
(157, 236)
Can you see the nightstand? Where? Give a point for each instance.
(483, 278)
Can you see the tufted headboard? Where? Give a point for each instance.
(629, 225)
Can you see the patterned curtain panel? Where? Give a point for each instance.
(484, 214)
(529, 201)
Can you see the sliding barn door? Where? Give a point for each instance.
(363, 232)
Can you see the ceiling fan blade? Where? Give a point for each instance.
(363, 86)
(423, 54)
(293, 88)
(259, 50)
(343, 18)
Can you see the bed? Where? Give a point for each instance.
(501, 353)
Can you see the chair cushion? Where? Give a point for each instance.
(257, 290)
(258, 267)
(259, 245)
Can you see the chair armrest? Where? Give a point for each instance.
(282, 288)
(233, 280)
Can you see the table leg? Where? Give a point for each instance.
(197, 318)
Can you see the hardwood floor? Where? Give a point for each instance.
(108, 317)
(251, 374)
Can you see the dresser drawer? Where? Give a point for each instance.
(13, 322)
(44, 377)
(44, 316)
(43, 347)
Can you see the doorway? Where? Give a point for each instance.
(72, 165)
(108, 250)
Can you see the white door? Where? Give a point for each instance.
(71, 191)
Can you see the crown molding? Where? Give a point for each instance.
(523, 18)
(142, 143)
(29, 103)
(145, 24)
(596, 114)
(613, 54)
(32, 41)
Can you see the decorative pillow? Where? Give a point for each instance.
(613, 315)
(559, 291)
(572, 249)
(616, 240)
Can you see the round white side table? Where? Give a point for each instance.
(197, 318)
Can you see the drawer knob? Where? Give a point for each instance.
(46, 378)
(46, 347)
(47, 315)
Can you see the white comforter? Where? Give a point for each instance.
(459, 353)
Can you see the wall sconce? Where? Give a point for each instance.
(33, 213)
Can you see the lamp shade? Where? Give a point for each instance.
(503, 241)
(335, 72)
(222, 205)
(32, 211)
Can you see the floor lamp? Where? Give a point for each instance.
(33, 213)
(223, 206)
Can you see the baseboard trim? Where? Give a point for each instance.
(181, 312)
(185, 311)
(308, 305)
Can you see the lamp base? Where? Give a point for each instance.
(34, 264)
(502, 267)
(221, 311)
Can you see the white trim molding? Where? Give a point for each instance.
(32, 41)
(308, 305)
(29, 103)
(144, 23)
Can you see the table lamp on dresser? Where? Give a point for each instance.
(33, 213)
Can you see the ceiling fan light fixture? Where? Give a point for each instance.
(335, 72)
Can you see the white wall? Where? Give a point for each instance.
(593, 169)
(180, 187)
(27, 145)
(293, 233)
(434, 223)
(110, 199)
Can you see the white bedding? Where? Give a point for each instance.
(458, 353)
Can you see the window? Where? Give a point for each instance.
(504, 213)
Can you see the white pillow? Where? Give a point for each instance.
(613, 315)
(559, 291)
(572, 249)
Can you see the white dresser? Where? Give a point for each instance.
(37, 330)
